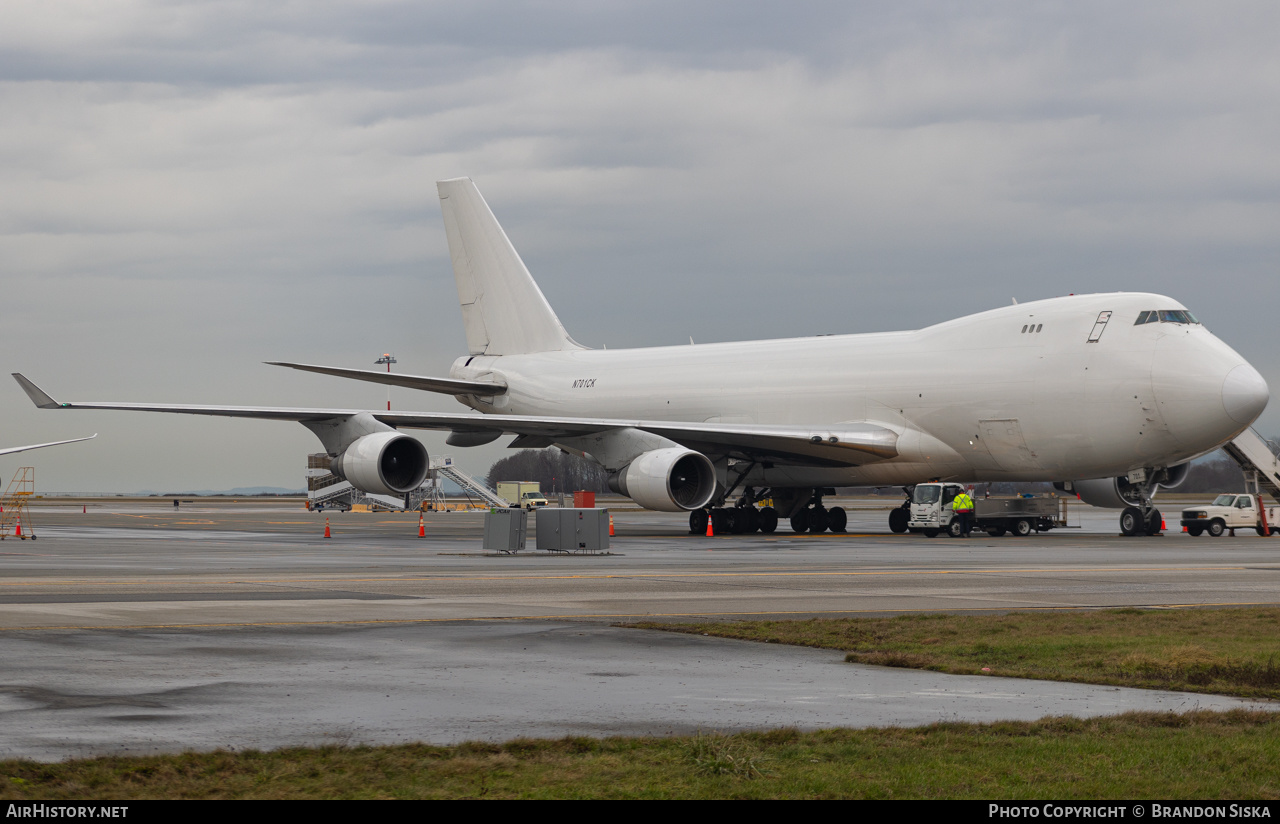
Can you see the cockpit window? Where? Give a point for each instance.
(1166, 316)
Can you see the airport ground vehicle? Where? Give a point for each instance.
(525, 493)
(931, 512)
(1232, 511)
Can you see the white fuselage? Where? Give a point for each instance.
(976, 398)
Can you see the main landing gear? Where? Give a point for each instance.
(745, 517)
(817, 518)
(898, 517)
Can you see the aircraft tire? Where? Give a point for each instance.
(800, 521)
(838, 519)
(1153, 523)
(819, 519)
(768, 520)
(1131, 521)
(698, 522)
(898, 520)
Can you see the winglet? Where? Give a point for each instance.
(37, 395)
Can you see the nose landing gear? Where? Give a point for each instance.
(1143, 519)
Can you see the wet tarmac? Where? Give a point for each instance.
(131, 627)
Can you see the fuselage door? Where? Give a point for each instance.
(1007, 445)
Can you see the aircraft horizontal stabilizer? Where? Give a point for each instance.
(846, 444)
(445, 386)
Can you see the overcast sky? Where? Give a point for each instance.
(193, 188)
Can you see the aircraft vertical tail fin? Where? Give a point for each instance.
(503, 310)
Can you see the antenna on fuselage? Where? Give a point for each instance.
(1015, 301)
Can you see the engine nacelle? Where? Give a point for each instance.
(667, 480)
(384, 463)
(1175, 475)
(1118, 493)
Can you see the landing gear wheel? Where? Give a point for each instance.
(730, 518)
(1154, 522)
(698, 522)
(819, 519)
(768, 520)
(753, 518)
(1216, 527)
(837, 518)
(1131, 521)
(954, 530)
(1022, 528)
(800, 521)
(898, 520)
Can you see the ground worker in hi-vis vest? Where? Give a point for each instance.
(962, 506)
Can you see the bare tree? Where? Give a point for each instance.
(554, 470)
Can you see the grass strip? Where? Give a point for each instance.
(1219, 651)
(1197, 755)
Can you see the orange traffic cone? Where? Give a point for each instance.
(1162, 526)
(326, 527)
(610, 524)
(711, 533)
(422, 529)
(17, 533)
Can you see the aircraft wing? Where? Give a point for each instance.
(846, 444)
(11, 449)
(445, 386)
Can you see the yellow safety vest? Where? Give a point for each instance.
(962, 503)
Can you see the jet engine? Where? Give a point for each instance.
(384, 463)
(1118, 493)
(667, 480)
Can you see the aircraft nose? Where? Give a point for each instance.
(1244, 394)
(1205, 391)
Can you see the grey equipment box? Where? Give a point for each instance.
(573, 530)
(505, 529)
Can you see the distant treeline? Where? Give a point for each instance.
(555, 471)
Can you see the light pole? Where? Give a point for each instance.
(388, 360)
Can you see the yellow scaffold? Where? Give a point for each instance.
(13, 506)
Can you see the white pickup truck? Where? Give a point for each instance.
(1232, 511)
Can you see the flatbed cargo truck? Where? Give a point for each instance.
(932, 513)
